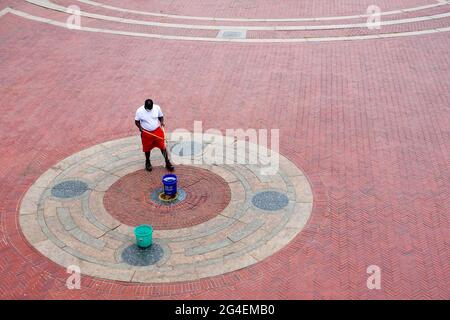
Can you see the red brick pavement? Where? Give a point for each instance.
(251, 34)
(367, 121)
(424, 25)
(128, 199)
(135, 16)
(264, 8)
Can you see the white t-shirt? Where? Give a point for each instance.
(149, 119)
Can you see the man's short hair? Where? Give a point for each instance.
(148, 104)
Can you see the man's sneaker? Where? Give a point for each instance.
(169, 166)
(148, 166)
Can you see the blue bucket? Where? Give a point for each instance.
(170, 184)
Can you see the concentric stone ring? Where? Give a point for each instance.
(79, 230)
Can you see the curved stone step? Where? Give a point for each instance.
(118, 27)
(94, 7)
(243, 10)
(86, 14)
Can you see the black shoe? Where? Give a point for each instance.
(148, 166)
(169, 166)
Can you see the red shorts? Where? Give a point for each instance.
(153, 139)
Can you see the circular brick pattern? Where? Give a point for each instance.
(90, 231)
(133, 199)
(270, 200)
(69, 189)
(136, 256)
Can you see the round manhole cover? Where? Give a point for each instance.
(270, 200)
(136, 256)
(69, 189)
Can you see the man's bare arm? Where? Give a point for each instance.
(138, 124)
(161, 120)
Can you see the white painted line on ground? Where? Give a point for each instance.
(156, 36)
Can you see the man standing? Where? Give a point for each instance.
(150, 121)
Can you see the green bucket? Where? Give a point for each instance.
(143, 234)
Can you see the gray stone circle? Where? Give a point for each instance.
(187, 148)
(69, 189)
(270, 200)
(140, 257)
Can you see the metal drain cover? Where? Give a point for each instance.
(232, 34)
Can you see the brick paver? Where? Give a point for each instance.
(366, 121)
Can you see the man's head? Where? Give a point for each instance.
(148, 104)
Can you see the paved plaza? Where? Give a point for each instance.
(354, 96)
